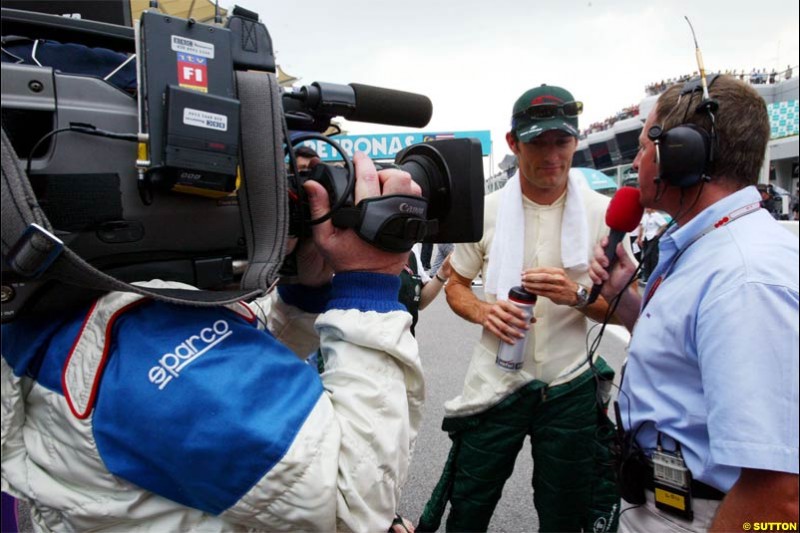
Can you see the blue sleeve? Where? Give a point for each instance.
(197, 404)
(308, 299)
(366, 291)
(750, 378)
(37, 347)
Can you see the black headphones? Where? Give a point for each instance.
(685, 153)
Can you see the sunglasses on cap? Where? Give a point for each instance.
(546, 111)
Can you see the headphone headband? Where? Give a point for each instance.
(685, 153)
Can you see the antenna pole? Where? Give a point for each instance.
(699, 56)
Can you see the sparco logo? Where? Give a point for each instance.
(406, 208)
(171, 364)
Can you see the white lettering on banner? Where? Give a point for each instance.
(395, 146)
(347, 146)
(191, 46)
(171, 364)
(374, 146)
(204, 119)
(362, 144)
(322, 149)
(379, 146)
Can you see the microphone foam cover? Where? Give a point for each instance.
(388, 106)
(624, 211)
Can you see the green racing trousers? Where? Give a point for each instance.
(573, 482)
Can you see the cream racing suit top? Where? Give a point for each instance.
(140, 415)
(556, 349)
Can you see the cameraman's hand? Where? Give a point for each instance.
(312, 269)
(341, 248)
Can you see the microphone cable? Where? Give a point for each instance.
(83, 128)
(337, 203)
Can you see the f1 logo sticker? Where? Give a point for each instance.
(192, 72)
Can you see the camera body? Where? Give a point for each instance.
(132, 210)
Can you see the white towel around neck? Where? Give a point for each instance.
(506, 254)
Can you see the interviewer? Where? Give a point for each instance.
(711, 384)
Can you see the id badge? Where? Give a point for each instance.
(672, 483)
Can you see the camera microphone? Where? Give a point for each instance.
(388, 106)
(623, 215)
(311, 107)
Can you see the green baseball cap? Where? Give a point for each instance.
(545, 108)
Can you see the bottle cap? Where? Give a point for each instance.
(520, 295)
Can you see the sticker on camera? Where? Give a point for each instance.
(191, 46)
(204, 119)
(192, 72)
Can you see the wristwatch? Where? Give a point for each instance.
(583, 297)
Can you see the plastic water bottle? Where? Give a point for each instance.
(510, 357)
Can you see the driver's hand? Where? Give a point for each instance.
(506, 321)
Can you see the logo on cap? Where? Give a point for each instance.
(546, 99)
(535, 128)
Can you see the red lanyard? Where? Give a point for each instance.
(733, 215)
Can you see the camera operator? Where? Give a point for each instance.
(136, 414)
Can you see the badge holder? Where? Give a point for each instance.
(672, 482)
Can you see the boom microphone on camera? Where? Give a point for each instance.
(311, 107)
(388, 106)
(623, 215)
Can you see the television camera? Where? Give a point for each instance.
(183, 177)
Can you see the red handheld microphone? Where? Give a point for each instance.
(623, 215)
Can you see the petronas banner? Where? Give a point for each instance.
(386, 146)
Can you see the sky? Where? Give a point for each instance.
(473, 59)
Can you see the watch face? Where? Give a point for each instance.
(583, 296)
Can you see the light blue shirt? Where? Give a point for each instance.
(713, 362)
